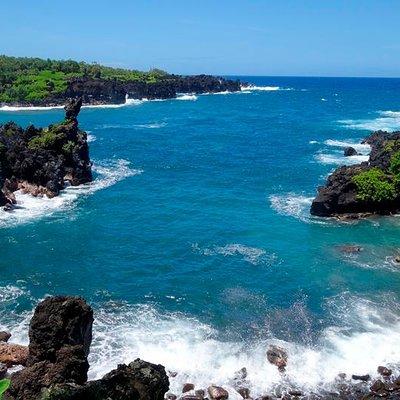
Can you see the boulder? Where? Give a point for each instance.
(3, 370)
(58, 322)
(139, 380)
(4, 336)
(277, 355)
(218, 393)
(350, 151)
(60, 333)
(13, 354)
(187, 387)
(384, 371)
(364, 378)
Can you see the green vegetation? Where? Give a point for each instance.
(32, 79)
(374, 185)
(395, 164)
(48, 138)
(4, 385)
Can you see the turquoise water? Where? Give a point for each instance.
(195, 245)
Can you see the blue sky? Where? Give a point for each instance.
(286, 37)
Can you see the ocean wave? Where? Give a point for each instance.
(151, 125)
(128, 102)
(30, 208)
(253, 255)
(361, 148)
(197, 353)
(264, 88)
(187, 97)
(90, 138)
(293, 205)
(387, 121)
(340, 159)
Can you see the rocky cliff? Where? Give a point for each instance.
(113, 91)
(371, 187)
(41, 161)
(60, 335)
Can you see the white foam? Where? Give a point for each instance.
(313, 142)
(323, 99)
(30, 208)
(292, 204)
(253, 255)
(387, 121)
(361, 148)
(340, 159)
(128, 102)
(91, 138)
(187, 97)
(199, 355)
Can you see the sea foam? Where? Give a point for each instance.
(30, 208)
(198, 354)
(387, 121)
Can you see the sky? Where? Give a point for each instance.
(227, 37)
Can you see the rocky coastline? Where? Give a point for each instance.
(43, 161)
(54, 366)
(99, 91)
(372, 187)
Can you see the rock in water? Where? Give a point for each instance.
(139, 380)
(217, 393)
(366, 188)
(60, 334)
(72, 108)
(58, 322)
(4, 336)
(277, 355)
(42, 161)
(350, 151)
(13, 354)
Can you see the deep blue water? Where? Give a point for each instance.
(195, 245)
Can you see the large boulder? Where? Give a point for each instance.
(60, 334)
(58, 322)
(350, 151)
(139, 380)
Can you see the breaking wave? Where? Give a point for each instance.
(30, 208)
(387, 121)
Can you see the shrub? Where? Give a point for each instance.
(46, 140)
(394, 167)
(373, 185)
(4, 385)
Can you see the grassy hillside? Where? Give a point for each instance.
(30, 79)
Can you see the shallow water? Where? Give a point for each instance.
(194, 243)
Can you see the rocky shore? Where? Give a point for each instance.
(372, 187)
(55, 365)
(98, 91)
(43, 161)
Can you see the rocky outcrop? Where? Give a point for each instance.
(60, 334)
(41, 161)
(112, 91)
(368, 188)
(139, 380)
(350, 151)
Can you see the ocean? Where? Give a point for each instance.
(195, 246)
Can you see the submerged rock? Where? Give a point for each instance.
(350, 151)
(277, 355)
